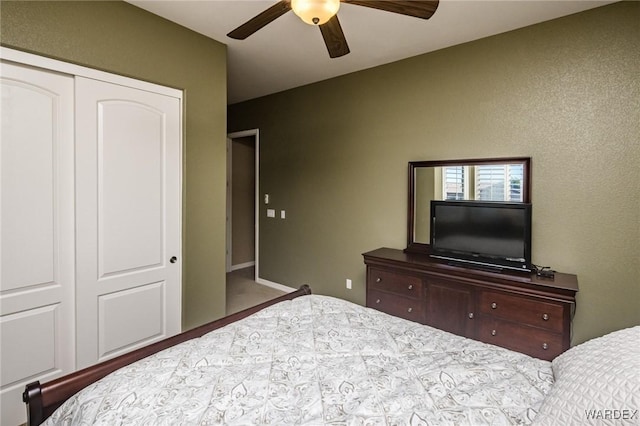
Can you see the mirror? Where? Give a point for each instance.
(493, 179)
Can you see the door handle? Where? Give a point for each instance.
(173, 259)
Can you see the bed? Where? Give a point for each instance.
(318, 360)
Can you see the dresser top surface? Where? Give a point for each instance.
(562, 281)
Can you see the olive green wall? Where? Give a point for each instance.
(566, 93)
(123, 39)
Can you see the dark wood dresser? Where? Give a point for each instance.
(517, 311)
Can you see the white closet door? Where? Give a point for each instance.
(36, 227)
(128, 206)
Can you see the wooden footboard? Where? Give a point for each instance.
(43, 399)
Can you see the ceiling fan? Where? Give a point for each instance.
(323, 13)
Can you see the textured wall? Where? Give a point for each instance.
(120, 38)
(565, 92)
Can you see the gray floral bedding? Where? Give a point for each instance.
(318, 360)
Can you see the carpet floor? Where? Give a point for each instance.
(243, 292)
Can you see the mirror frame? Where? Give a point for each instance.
(415, 247)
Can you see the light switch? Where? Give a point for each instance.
(282, 214)
(266, 198)
(271, 213)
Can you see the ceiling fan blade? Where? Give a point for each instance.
(260, 20)
(334, 38)
(420, 9)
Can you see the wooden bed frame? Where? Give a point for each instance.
(43, 399)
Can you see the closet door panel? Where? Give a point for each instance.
(140, 305)
(28, 198)
(41, 324)
(36, 228)
(130, 174)
(128, 218)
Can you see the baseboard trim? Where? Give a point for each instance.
(275, 285)
(243, 265)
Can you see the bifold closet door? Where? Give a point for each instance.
(128, 206)
(37, 231)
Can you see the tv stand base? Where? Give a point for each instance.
(479, 267)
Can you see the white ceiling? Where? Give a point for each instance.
(288, 53)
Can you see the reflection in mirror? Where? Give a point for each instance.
(502, 179)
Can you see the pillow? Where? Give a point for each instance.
(597, 382)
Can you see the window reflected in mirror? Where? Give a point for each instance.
(483, 182)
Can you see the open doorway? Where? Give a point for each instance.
(244, 287)
(243, 159)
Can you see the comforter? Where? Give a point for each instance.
(317, 360)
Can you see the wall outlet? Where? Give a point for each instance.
(271, 213)
(283, 215)
(348, 284)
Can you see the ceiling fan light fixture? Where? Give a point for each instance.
(315, 12)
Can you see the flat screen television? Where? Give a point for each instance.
(485, 234)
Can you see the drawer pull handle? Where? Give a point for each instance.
(494, 332)
(378, 279)
(378, 301)
(545, 317)
(410, 310)
(470, 315)
(410, 286)
(545, 346)
(494, 305)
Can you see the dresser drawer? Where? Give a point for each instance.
(529, 340)
(522, 310)
(399, 306)
(402, 284)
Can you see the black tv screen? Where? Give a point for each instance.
(488, 234)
